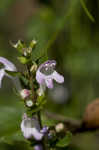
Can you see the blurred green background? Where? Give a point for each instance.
(68, 30)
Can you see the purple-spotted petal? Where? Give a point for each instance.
(2, 73)
(49, 83)
(49, 62)
(46, 73)
(59, 78)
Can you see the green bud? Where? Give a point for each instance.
(33, 44)
(19, 46)
(29, 103)
(23, 60)
(33, 68)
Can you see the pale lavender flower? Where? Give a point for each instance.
(38, 147)
(46, 73)
(30, 128)
(9, 66)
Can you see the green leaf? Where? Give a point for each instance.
(40, 100)
(65, 141)
(87, 11)
(47, 121)
(24, 80)
(24, 60)
(17, 136)
(15, 141)
(12, 73)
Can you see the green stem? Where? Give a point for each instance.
(39, 119)
(40, 122)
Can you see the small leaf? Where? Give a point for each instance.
(47, 121)
(65, 141)
(12, 73)
(24, 80)
(24, 60)
(40, 99)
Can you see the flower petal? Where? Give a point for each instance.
(59, 78)
(40, 77)
(36, 134)
(27, 133)
(2, 73)
(49, 83)
(7, 64)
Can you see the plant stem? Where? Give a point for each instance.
(40, 122)
(39, 119)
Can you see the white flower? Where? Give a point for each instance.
(46, 73)
(31, 129)
(29, 103)
(9, 66)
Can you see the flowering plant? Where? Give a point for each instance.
(31, 86)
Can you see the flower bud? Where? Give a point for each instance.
(38, 147)
(25, 93)
(39, 92)
(59, 127)
(33, 43)
(29, 103)
(33, 68)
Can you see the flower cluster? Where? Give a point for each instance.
(42, 78)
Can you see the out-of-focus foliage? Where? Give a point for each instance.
(66, 31)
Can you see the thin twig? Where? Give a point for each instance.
(73, 125)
